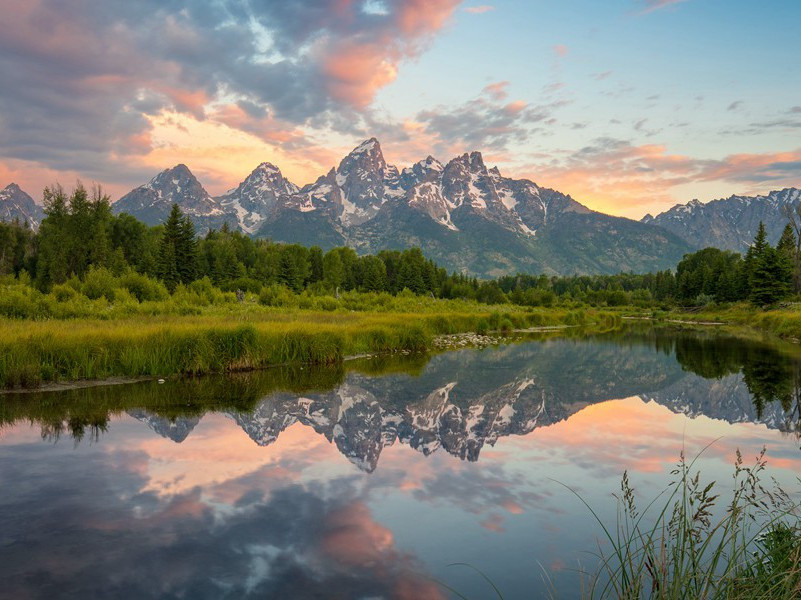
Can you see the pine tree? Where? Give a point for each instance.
(770, 278)
(752, 260)
(168, 266)
(186, 253)
(788, 249)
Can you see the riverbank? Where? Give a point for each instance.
(33, 353)
(741, 319)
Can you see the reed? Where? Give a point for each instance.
(690, 542)
(33, 352)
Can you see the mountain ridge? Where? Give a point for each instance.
(464, 215)
(728, 223)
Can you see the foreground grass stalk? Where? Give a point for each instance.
(693, 548)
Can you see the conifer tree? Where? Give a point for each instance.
(168, 269)
(788, 249)
(186, 254)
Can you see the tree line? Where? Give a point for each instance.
(80, 233)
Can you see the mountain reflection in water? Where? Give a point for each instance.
(457, 402)
(455, 460)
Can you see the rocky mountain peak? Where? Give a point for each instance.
(153, 201)
(16, 205)
(367, 156)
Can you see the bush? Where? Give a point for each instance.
(98, 283)
(143, 288)
(63, 292)
(276, 295)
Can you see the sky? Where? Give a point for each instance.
(630, 106)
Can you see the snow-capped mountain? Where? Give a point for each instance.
(257, 197)
(464, 215)
(729, 223)
(16, 205)
(152, 202)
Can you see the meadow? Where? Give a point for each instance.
(61, 336)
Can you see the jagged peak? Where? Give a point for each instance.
(431, 163)
(267, 167)
(473, 161)
(13, 187)
(180, 170)
(367, 146)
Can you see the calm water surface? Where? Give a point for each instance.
(368, 481)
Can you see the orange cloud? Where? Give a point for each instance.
(356, 72)
(353, 537)
(355, 69)
(496, 90)
(619, 178)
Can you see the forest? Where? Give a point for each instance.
(83, 249)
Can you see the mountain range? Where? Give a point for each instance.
(466, 216)
(729, 223)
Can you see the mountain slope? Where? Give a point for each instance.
(16, 205)
(151, 203)
(729, 223)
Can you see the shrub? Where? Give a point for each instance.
(143, 288)
(98, 283)
(276, 295)
(63, 292)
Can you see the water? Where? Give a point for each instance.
(368, 481)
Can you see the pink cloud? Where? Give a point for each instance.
(561, 50)
(356, 68)
(621, 178)
(497, 90)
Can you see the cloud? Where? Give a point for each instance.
(615, 175)
(735, 105)
(477, 10)
(82, 83)
(487, 122)
(295, 542)
(561, 50)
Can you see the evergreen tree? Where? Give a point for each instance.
(373, 274)
(315, 264)
(788, 250)
(168, 267)
(186, 250)
(333, 270)
(770, 278)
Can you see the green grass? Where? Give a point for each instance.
(692, 543)
(242, 337)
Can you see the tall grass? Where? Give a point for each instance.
(686, 544)
(36, 352)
